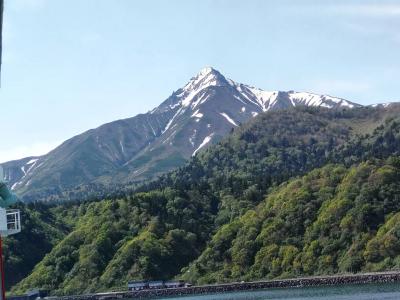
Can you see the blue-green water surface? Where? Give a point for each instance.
(346, 292)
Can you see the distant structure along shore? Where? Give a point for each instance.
(381, 277)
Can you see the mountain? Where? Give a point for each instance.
(208, 107)
(17, 169)
(308, 180)
(138, 148)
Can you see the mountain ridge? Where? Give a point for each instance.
(150, 144)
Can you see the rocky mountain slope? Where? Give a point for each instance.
(138, 148)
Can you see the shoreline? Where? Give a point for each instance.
(365, 278)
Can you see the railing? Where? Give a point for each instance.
(13, 221)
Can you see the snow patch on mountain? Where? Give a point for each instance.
(229, 119)
(264, 99)
(238, 98)
(26, 170)
(179, 112)
(197, 114)
(203, 98)
(33, 160)
(206, 140)
(169, 137)
(23, 170)
(311, 99)
(387, 104)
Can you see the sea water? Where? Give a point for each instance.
(345, 292)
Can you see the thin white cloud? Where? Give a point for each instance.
(396, 38)
(373, 30)
(363, 29)
(90, 38)
(22, 151)
(21, 5)
(339, 87)
(369, 20)
(368, 10)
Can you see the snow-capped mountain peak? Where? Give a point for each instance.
(200, 113)
(206, 71)
(210, 104)
(209, 101)
(184, 97)
(193, 94)
(207, 77)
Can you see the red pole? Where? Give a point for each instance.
(3, 286)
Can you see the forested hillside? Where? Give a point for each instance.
(43, 227)
(240, 184)
(331, 220)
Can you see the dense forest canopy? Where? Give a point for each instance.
(263, 203)
(334, 219)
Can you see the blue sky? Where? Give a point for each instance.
(71, 65)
